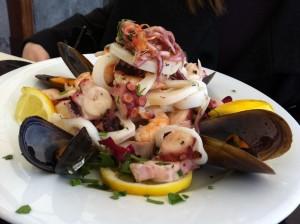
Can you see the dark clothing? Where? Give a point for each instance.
(255, 41)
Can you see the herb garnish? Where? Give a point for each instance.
(103, 134)
(210, 187)
(180, 173)
(98, 186)
(8, 157)
(125, 166)
(162, 163)
(118, 100)
(175, 198)
(117, 194)
(185, 196)
(154, 201)
(139, 91)
(79, 181)
(137, 159)
(75, 182)
(24, 209)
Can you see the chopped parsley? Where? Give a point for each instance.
(125, 166)
(137, 159)
(210, 187)
(233, 90)
(185, 196)
(8, 157)
(63, 92)
(175, 198)
(75, 182)
(98, 186)
(103, 134)
(117, 194)
(118, 100)
(79, 181)
(162, 163)
(180, 173)
(24, 209)
(89, 181)
(139, 90)
(154, 201)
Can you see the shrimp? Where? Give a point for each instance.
(146, 133)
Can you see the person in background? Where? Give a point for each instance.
(255, 41)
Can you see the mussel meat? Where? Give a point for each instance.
(265, 133)
(52, 149)
(57, 82)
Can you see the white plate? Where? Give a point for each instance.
(235, 198)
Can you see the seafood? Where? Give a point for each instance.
(265, 136)
(75, 61)
(52, 149)
(136, 106)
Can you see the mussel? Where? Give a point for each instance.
(57, 82)
(76, 62)
(52, 149)
(265, 134)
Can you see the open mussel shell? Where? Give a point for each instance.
(266, 134)
(57, 82)
(75, 61)
(227, 156)
(52, 149)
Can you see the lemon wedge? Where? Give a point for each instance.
(239, 105)
(111, 179)
(33, 102)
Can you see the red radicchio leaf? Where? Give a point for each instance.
(117, 151)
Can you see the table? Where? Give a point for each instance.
(12, 62)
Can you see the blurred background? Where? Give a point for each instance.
(44, 14)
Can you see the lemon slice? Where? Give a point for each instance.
(33, 102)
(239, 105)
(110, 178)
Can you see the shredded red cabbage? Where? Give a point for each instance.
(117, 151)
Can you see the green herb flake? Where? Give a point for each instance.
(103, 134)
(24, 209)
(125, 166)
(104, 160)
(233, 90)
(117, 194)
(118, 100)
(162, 163)
(84, 170)
(185, 196)
(75, 182)
(180, 173)
(8, 157)
(210, 187)
(63, 92)
(137, 159)
(175, 198)
(139, 91)
(98, 186)
(88, 181)
(154, 201)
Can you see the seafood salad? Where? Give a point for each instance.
(143, 115)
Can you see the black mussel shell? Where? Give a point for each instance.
(75, 61)
(266, 133)
(228, 156)
(52, 149)
(57, 82)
